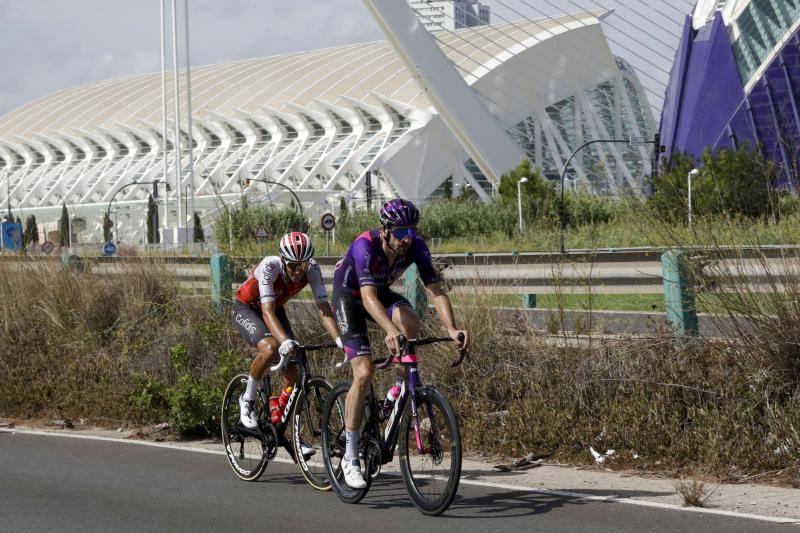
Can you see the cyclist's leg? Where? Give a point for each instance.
(351, 320)
(250, 325)
(404, 317)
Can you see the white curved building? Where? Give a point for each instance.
(317, 121)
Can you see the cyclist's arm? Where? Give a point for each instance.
(445, 311)
(272, 322)
(328, 322)
(321, 298)
(373, 305)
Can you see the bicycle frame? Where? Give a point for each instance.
(408, 390)
(300, 384)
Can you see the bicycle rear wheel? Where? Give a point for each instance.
(307, 430)
(333, 445)
(245, 448)
(431, 476)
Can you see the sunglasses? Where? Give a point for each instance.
(403, 233)
(296, 265)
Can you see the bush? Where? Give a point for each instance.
(247, 221)
(112, 349)
(732, 183)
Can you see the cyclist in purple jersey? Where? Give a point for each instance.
(361, 291)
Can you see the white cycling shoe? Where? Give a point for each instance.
(247, 415)
(352, 474)
(306, 450)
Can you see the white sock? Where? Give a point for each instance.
(351, 449)
(252, 385)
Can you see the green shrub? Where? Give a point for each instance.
(732, 183)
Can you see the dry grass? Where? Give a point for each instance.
(694, 492)
(72, 343)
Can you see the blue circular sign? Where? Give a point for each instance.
(109, 248)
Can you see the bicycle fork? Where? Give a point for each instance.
(413, 383)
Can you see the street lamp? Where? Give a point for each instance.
(633, 141)
(519, 200)
(248, 182)
(693, 174)
(155, 196)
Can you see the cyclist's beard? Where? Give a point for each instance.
(399, 252)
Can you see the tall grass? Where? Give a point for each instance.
(118, 349)
(78, 344)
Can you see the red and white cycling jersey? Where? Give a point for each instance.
(267, 283)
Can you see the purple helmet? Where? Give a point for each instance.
(399, 212)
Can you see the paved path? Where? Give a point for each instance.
(73, 484)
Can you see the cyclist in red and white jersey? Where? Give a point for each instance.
(260, 318)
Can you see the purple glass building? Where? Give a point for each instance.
(735, 80)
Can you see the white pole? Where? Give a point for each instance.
(178, 173)
(519, 200)
(189, 102)
(164, 132)
(693, 173)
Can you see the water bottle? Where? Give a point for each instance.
(274, 411)
(284, 399)
(391, 397)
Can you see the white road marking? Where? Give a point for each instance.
(577, 495)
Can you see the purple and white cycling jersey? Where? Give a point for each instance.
(366, 264)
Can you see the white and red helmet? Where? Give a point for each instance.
(296, 246)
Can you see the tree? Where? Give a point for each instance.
(730, 182)
(63, 226)
(342, 207)
(199, 236)
(447, 191)
(152, 232)
(107, 225)
(539, 198)
(31, 233)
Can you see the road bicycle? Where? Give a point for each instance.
(249, 451)
(422, 423)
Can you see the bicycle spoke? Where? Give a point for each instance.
(431, 474)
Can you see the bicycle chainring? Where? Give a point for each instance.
(269, 441)
(374, 456)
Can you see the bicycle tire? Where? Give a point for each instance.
(441, 439)
(333, 443)
(246, 455)
(306, 428)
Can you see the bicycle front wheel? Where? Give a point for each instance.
(333, 445)
(244, 448)
(431, 467)
(307, 432)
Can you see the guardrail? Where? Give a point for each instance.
(620, 271)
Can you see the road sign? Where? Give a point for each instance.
(12, 236)
(48, 247)
(261, 235)
(109, 248)
(327, 221)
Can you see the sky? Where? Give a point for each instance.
(49, 45)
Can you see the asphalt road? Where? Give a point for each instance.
(54, 483)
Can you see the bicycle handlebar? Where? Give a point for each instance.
(406, 344)
(285, 359)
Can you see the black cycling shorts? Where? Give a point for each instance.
(247, 320)
(351, 317)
